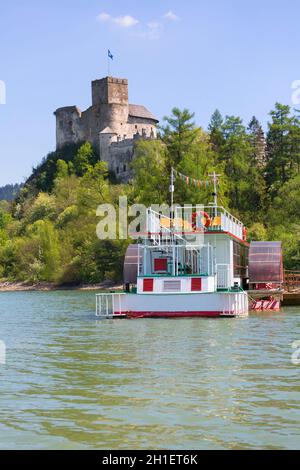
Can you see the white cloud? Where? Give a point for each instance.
(104, 17)
(171, 16)
(152, 30)
(126, 21)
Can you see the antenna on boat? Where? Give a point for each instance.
(172, 189)
(215, 178)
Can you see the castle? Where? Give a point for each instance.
(111, 124)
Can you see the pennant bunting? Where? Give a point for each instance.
(196, 183)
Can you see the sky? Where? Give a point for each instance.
(240, 57)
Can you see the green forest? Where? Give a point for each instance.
(49, 232)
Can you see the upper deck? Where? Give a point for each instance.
(192, 221)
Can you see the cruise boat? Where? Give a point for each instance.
(184, 266)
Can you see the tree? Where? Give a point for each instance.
(198, 163)
(279, 147)
(178, 134)
(62, 169)
(50, 251)
(258, 143)
(285, 208)
(295, 142)
(215, 129)
(43, 207)
(246, 188)
(152, 174)
(84, 158)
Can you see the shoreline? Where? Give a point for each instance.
(7, 286)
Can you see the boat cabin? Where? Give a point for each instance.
(201, 249)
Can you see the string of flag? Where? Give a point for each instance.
(192, 181)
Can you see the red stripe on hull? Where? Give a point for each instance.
(174, 314)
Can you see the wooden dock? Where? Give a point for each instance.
(291, 295)
(291, 298)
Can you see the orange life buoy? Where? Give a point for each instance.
(201, 213)
(244, 234)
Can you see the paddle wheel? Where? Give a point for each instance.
(266, 275)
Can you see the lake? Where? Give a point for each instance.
(72, 382)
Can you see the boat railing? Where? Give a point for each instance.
(223, 276)
(221, 219)
(162, 229)
(108, 305)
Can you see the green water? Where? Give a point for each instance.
(73, 382)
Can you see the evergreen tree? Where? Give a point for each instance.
(178, 134)
(295, 143)
(215, 129)
(199, 163)
(258, 142)
(245, 183)
(279, 147)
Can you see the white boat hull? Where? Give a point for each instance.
(216, 304)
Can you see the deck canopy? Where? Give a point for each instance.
(265, 263)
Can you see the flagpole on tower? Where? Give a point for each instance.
(172, 189)
(109, 58)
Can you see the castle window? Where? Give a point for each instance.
(117, 170)
(61, 124)
(70, 124)
(124, 168)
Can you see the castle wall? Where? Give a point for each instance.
(69, 127)
(142, 126)
(120, 158)
(105, 142)
(115, 116)
(92, 122)
(110, 90)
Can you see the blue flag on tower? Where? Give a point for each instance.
(110, 55)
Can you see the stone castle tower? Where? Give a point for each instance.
(110, 123)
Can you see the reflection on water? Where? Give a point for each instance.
(73, 382)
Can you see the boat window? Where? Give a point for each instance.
(240, 259)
